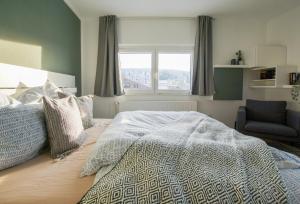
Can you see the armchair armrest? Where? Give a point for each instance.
(293, 120)
(241, 118)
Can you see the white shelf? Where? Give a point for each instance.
(263, 68)
(289, 86)
(280, 81)
(232, 66)
(273, 87)
(263, 80)
(262, 87)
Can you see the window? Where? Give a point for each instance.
(156, 70)
(136, 70)
(174, 71)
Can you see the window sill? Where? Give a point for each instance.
(160, 93)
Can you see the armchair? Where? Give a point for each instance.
(269, 120)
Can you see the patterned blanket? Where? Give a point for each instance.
(183, 157)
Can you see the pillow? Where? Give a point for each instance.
(85, 105)
(29, 96)
(7, 100)
(266, 111)
(64, 94)
(35, 94)
(22, 134)
(3, 100)
(65, 129)
(51, 90)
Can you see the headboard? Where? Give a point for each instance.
(11, 76)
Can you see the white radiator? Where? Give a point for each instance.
(157, 105)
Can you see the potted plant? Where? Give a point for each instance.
(295, 92)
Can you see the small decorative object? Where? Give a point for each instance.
(263, 75)
(294, 78)
(270, 74)
(267, 74)
(239, 58)
(233, 62)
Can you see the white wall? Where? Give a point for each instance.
(157, 31)
(235, 33)
(285, 30)
(230, 35)
(89, 46)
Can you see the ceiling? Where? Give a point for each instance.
(180, 8)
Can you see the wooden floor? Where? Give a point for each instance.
(285, 147)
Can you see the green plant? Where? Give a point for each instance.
(295, 92)
(239, 55)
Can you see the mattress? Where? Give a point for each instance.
(44, 180)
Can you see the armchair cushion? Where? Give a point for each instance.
(241, 118)
(270, 128)
(293, 120)
(266, 111)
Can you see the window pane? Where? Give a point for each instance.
(174, 71)
(136, 70)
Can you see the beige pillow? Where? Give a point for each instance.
(65, 129)
(85, 105)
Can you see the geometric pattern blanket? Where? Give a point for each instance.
(186, 158)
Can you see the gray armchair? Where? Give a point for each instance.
(269, 120)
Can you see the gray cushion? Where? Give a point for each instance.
(266, 111)
(293, 120)
(22, 134)
(65, 129)
(270, 128)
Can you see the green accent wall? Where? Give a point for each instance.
(50, 24)
(228, 84)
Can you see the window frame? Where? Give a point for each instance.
(155, 51)
(133, 91)
(173, 51)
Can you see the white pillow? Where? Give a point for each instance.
(85, 105)
(3, 100)
(7, 100)
(35, 94)
(29, 96)
(51, 90)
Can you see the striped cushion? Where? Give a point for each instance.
(22, 134)
(65, 129)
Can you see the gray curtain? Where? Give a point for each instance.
(108, 81)
(202, 83)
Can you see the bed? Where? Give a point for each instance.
(44, 180)
(145, 155)
(156, 157)
(187, 157)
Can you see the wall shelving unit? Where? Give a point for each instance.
(280, 80)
